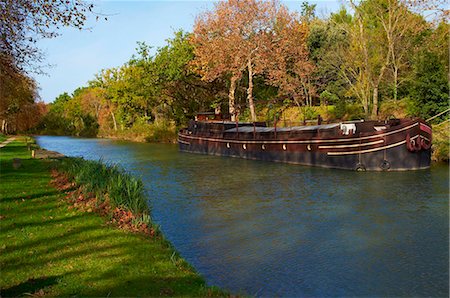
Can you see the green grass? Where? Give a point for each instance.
(48, 248)
(2, 138)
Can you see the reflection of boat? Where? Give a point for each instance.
(397, 144)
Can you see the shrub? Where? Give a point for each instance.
(163, 132)
(394, 108)
(441, 142)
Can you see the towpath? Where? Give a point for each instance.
(3, 144)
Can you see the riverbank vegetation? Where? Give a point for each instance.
(50, 246)
(106, 189)
(258, 61)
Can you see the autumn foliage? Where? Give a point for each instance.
(251, 60)
(259, 37)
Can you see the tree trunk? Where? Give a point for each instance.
(114, 120)
(307, 93)
(366, 107)
(395, 83)
(375, 103)
(250, 90)
(231, 105)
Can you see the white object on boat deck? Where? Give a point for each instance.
(347, 127)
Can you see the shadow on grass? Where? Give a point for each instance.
(30, 197)
(165, 286)
(30, 286)
(41, 223)
(50, 243)
(30, 164)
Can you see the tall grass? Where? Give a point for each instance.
(108, 181)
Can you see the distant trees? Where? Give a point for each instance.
(148, 91)
(71, 115)
(254, 57)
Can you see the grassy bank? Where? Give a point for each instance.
(48, 247)
(106, 189)
(441, 142)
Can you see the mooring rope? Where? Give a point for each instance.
(437, 115)
(443, 122)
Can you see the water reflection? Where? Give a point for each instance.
(272, 229)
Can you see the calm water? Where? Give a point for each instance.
(269, 229)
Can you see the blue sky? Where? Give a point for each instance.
(76, 56)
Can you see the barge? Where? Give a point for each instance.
(392, 145)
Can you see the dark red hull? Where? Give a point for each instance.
(397, 145)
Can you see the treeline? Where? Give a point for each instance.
(256, 60)
(146, 97)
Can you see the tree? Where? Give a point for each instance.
(230, 39)
(182, 90)
(308, 12)
(24, 22)
(382, 38)
(287, 59)
(363, 63)
(400, 31)
(325, 41)
(428, 85)
(17, 93)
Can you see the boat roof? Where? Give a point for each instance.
(282, 129)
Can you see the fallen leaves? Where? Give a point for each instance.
(124, 219)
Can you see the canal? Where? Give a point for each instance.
(269, 229)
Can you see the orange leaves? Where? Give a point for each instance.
(259, 35)
(226, 37)
(288, 61)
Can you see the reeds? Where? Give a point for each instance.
(110, 182)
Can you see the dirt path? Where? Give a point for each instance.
(7, 142)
